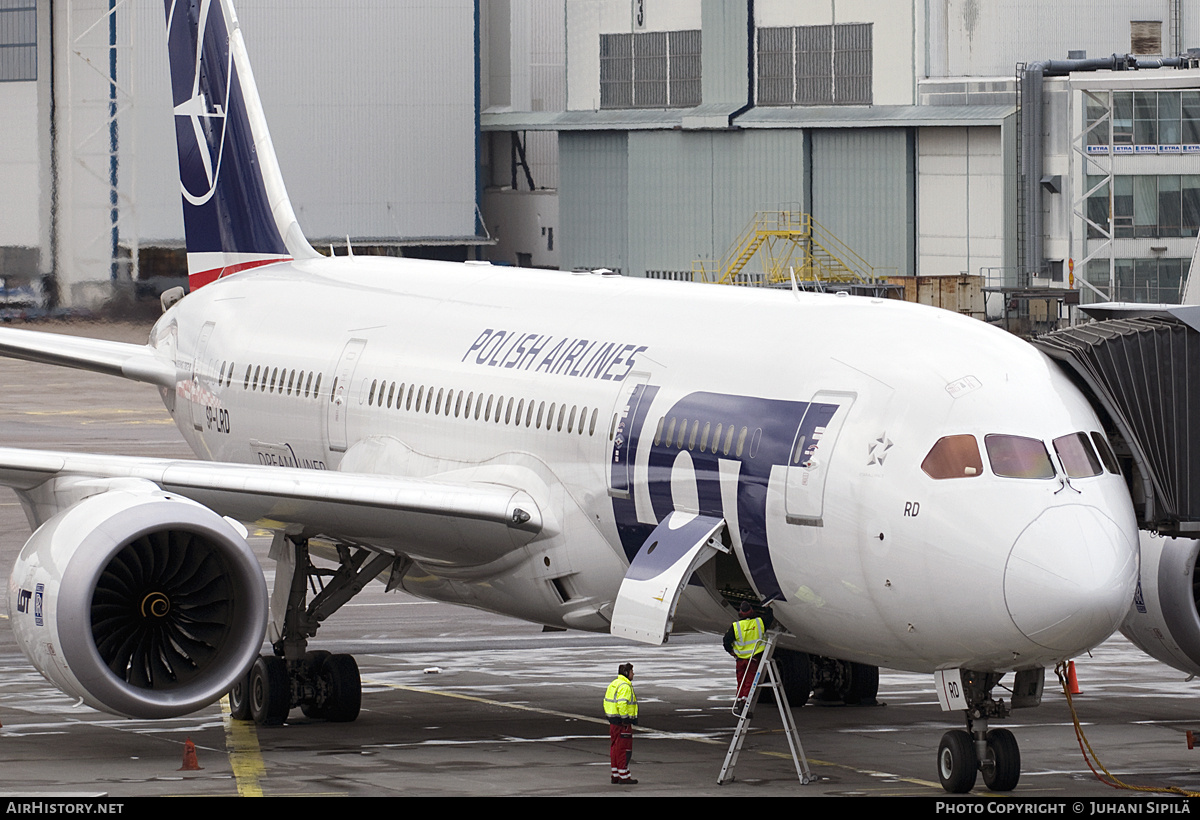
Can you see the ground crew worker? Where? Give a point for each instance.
(746, 640)
(620, 707)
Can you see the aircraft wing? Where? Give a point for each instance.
(443, 522)
(136, 362)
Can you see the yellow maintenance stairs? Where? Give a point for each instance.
(787, 242)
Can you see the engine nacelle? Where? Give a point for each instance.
(146, 605)
(1163, 621)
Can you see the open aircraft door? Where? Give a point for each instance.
(645, 605)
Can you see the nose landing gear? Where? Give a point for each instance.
(962, 755)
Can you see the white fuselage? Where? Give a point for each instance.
(437, 370)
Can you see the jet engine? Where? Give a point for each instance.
(145, 605)
(1163, 621)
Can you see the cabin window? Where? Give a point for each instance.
(437, 406)
(741, 442)
(953, 457)
(308, 385)
(246, 384)
(595, 416)
(317, 387)
(458, 403)
(571, 420)
(291, 381)
(1018, 457)
(508, 411)
(1077, 456)
(274, 378)
(562, 411)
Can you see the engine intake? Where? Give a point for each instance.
(1164, 621)
(146, 605)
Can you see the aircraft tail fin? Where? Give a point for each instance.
(236, 210)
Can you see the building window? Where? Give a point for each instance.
(1145, 206)
(1145, 36)
(1157, 281)
(1163, 122)
(815, 65)
(657, 69)
(18, 40)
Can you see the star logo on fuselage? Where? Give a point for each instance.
(878, 449)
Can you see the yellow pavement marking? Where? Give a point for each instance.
(245, 758)
(694, 738)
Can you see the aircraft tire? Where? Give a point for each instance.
(1005, 769)
(239, 701)
(796, 670)
(270, 691)
(314, 660)
(864, 685)
(345, 688)
(958, 765)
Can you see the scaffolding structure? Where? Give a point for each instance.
(789, 245)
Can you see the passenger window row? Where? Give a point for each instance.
(490, 408)
(275, 380)
(677, 433)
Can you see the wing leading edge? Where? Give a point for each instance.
(136, 362)
(465, 523)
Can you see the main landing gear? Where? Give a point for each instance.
(962, 755)
(322, 684)
(828, 679)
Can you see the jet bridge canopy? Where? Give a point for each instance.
(1140, 367)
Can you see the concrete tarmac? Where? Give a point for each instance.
(460, 702)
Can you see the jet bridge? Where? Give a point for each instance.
(1140, 367)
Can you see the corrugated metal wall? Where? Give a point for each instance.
(863, 191)
(371, 108)
(593, 200)
(688, 195)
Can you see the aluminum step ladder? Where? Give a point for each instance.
(774, 682)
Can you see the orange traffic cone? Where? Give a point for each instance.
(1072, 681)
(190, 764)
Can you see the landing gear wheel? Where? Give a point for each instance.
(340, 673)
(270, 691)
(863, 687)
(314, 660)
(796, 670)
(1003, 771)
(239, 699)
(957, 763)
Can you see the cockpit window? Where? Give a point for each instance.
(1077, 456)
(1106, 453)
(953, 457)
(1018, 457)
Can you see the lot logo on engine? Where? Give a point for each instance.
(23, 597)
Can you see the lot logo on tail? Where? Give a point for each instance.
(201, 100)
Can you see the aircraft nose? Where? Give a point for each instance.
(1070, 578)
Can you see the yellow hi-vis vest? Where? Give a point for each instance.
(748, 637)
(620, 703)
